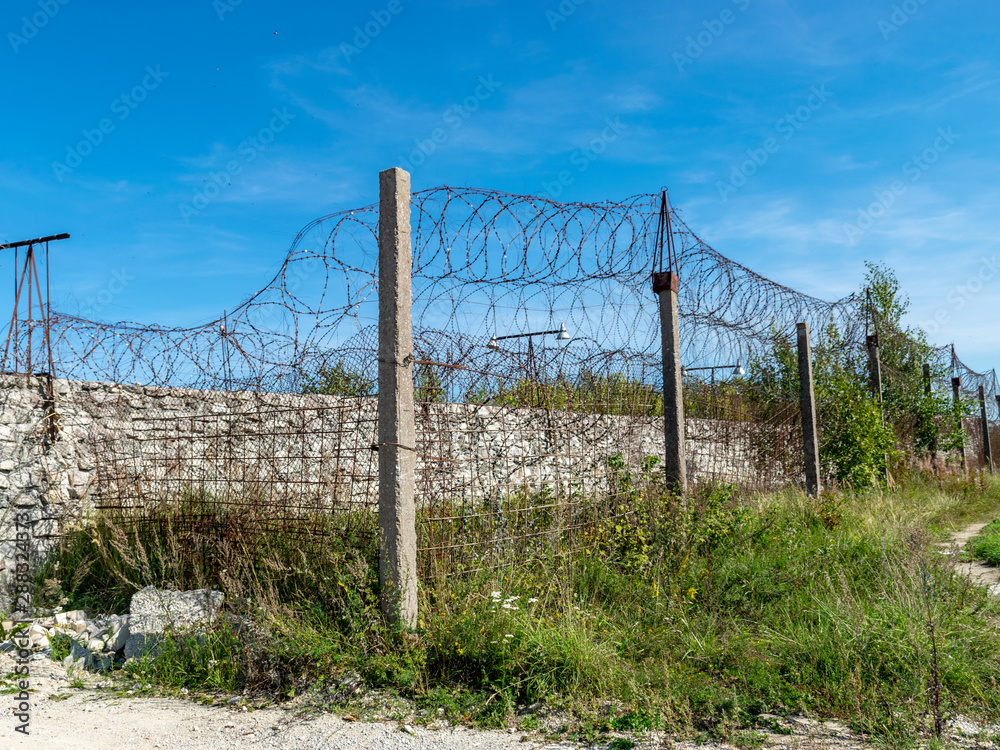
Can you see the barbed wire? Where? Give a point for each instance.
(485, 263)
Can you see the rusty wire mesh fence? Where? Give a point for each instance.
(231, 463)
(527, 449)
(741, 433)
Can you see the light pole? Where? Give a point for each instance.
(737, 369)
(560, 333)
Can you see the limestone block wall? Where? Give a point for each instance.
(133, 446)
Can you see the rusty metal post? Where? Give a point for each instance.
(807, 403)
(874, 367)
(956, 397)
(984, 419)
(666, 285)
(397, 458)
(875, 380)
(932, 448)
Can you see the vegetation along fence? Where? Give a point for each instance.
(477, 377)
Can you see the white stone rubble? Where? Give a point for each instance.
(100, 642)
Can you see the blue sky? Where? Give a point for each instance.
(798, 138)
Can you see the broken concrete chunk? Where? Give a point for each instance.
(80, 656)
(118, 638)
(154, 610)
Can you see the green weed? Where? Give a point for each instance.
(694, 617)
(985, 546)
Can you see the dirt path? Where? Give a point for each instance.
(97, 718)
(980, 573)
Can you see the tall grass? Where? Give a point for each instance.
(694, 616)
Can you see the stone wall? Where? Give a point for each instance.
(132, 446)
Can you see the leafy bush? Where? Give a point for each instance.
(338, 380)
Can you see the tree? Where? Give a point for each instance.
(338, 380)
(428, 386)
(922, 421)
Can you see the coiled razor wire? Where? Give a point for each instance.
(485, 263)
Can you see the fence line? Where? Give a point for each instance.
(537, 374)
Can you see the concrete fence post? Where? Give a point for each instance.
(984, 419)
(666, 286)
(807, 403)
(956, 397)
(397, 458)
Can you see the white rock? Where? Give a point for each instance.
(153, 610)
(81, 654)
(67, 618)
(118, 638)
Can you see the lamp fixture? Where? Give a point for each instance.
(737, 369)
(561, 334)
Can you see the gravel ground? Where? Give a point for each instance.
(98, 717)
(65, 714)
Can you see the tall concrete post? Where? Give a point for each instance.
(397, 458)
(666, 286)
(984, 419)
(927, 379)
(956, 397)
(807, 402)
